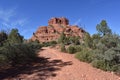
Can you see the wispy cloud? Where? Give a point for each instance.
(8, 20)
(78, 22)
(19, 22)
(5, 15)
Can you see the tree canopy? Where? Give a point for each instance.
(15, 37)
(103, 28)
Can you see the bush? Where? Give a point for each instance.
(51, 43)
(85, 56)
(78, 48)
(3, 37)
(63, 49)
(102, 64)
(74, 48)
(74, 40)
(62, 38)
(68, 40)
(3, 60)
(15, 51)
(19, 53)
(106, 60)
(71, 49)
(102, 49)
(116, 68)
(88, 40)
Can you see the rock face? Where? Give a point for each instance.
(62, 21)
(54, 29)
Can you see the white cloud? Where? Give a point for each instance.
(20, 22)
(8, 19)
(5, 15)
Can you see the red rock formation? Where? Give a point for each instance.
(55, 27)
(62, 21)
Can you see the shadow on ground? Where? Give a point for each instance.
(42, 68)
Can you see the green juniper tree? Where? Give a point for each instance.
(15, 37)
(103, 28)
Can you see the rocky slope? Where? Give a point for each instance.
(55, 27)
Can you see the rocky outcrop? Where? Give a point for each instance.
(55, 27)
(62, 21)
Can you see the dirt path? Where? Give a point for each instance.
(77, 70)
(62, 66)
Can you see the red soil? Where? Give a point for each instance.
(61, 66)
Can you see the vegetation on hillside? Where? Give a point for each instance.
(14, 50)
(102, 49)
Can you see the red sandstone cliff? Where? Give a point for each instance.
(55, 27)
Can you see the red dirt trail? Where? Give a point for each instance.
(61, 66)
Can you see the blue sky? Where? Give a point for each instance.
(28, 15)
